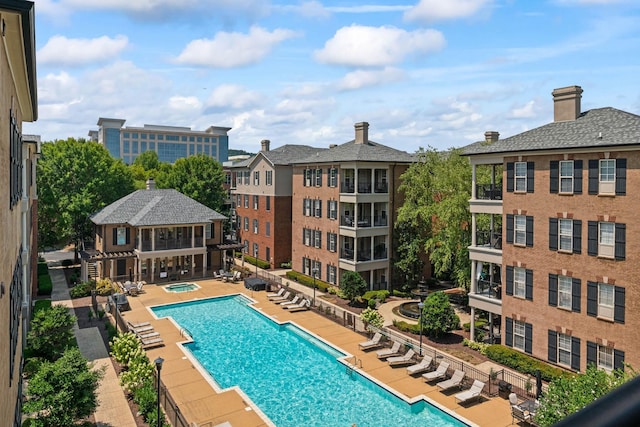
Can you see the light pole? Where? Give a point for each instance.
(420, 306)
(158, 363)
(314, 271)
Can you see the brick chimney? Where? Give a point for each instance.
(566, 103)
(265, 145)
(362, 132)
(151, 184)
(491, 136)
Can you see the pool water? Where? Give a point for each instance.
(292, 376)
(181, 287)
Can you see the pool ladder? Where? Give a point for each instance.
(350, 367)
(184, 331)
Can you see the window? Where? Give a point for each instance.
(268, 202)
(565, 235)
(317, 241)
(565, 285)
(208, 231)
(318, 176)
(255, 202)
(564, 349)
(317, 208)
(333, 177)
(606, 239)
(255, 226)
(306, 207)
(306, 266)
(121, 235)
(238, 200)
(605, 358)
(255, 250)
(306, 237)
(608, 176)
(332, 209)
(269, 177)
(246, 201)
(246, 247)
(520, 176)
(331, 274)
(246, 177)
(520, 230)
(246, 223)
(519, 331)
(267, 229)
(332, 239)
(316, 269)
(566, 176)
(606, 301)
(519, 282)
(256, 178)
(307, 177)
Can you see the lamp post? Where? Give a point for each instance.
(420, 306)
(158, 363)
(314, 271)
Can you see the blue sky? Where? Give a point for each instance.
(423, 73)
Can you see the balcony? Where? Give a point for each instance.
(346, 253)
(381, 187)
(347, 187)
(489, 289)
(364, 187)
(489, 239)
(380, 221)
(168, 244)
(380, 252)
(489, 191)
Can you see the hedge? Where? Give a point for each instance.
(407, 327)
(251, 260)
(478, 324)
(307, 281)
(523, 363)
(380, 295)
(42, 269)
(45, 287)
(41, 304)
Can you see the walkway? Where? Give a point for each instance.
(113, 409)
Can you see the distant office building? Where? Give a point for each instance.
(170, 142)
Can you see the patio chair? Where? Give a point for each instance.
(304, 305)
(519, 414)
(276, 294)
(374, 342)
(422, 366)
(216, 275)
(440, 372)
(237, 276)
(139, 287)
(389, 352)
(472, 393)
(401, 360)
(151, 342)
(454, 381)
(294, 301)
(148, 334)
(283, 298)
(139, 329)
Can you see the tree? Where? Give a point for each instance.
(352, 285)
(76, 178)
(568, 394)
(438, 317)
(51, 332)
(201, 178)
(147, 165)
(63, 391)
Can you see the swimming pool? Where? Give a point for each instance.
(181, 287)
(291, 375)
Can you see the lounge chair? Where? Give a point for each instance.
(454, 381)
(148, 335)
(283, 298)
(152, 342)
(374, 342)
(304, 305)
(139, 287)
(472, 393)
(139, 329)
(401, 360)
(294, 301)
(286, 301)
(389, 352)
(216, 275)
(138, 325)
(237, 276)
(440, 372)
(422, 366)
(276, 294)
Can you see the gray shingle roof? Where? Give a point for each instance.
(290, 153)
(615, 127)
(352, 152)
(155, 207)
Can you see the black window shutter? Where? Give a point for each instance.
(530, 173)
(115, 236)
(510, 173)
(509, 277)
(552, 346)
(577, 236)
(618, 309)
(553, 290)
(576, 291)
(592, 353)
(329, 209)
(508, 324)
(553, 234)
(592, 299)
(618, 359)
(593, 176)
(577, 177)
(620, 252)
(575, 353)
(592, 238)
(528, 284)
(621, 177)
(509, 228)
(554, 174)
(528, 338)
(320, 208)
(529, 234)
(128, 238)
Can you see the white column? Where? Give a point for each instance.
(473, 182)
(473, 324)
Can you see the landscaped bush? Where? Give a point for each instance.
(262, 264)
(81, 290)
(45, 287)
(372, 317)
(480, 347)
(51, 332)
(400, 294)
(523, 363)
(43, 269)
(307, 281)
(380, 295)
(125, 348)
(479, 324)
(41, 304)
(407, 327)
(104, 287)
(285, 264)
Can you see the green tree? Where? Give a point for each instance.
(438, 317)
(76, 178)
(352, 285)
(64, 391)
(51, 332)
(569, 394)
(201, 178)
(147, 165)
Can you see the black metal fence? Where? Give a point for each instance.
(171, 409)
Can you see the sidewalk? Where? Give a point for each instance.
(113, 408)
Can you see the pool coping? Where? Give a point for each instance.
(165, 287)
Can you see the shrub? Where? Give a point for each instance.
(352, 285)
(480, 347)
(380, 295)
(43, 269)
(104, 287)
(372, 303)
(45, 287)
(438, 316)
(307, 281)
(372, 317)
(51, 332)
(41, 304)
(80, 290)
(112, 332)
(140, 369)
(400, 294)
(265, 265)
(479, 324)
(407, 327)
(125, 348)
(285, 264)
(523, 363)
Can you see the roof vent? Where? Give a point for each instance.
(151, 184)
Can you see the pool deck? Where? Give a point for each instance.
(201, 404)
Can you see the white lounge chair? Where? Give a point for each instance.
(276, 294)
(236, 276)
(374, 342)
(422, 366)
(148, 335)
(139, 287)
(454, 381)
(283, 298)
(140, 328)
(389, 352)
(152, 342)
(472, 393)
(440, 372)
(294, 301)
(304, 305)
(405, 359)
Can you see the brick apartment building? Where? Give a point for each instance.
(344, 204)
(261, 201)
(18, 215)
(556, 240)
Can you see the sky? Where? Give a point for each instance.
(422, 73)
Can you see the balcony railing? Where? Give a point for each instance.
(380, 253)
(364, 255)
(489, 239)
(347, 187)
(489, 289)
(489, 191)
(382, 187)
(346, 253)
(364, 187)
(166, 244)
(380, 221)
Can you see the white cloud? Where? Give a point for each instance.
(309, 9)
(363, 78)
(60, 50)
(527, 111)
(163, 7)
(436, 10)
(233, 96)
(185, 103)
(229, 50)
(359, 45)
